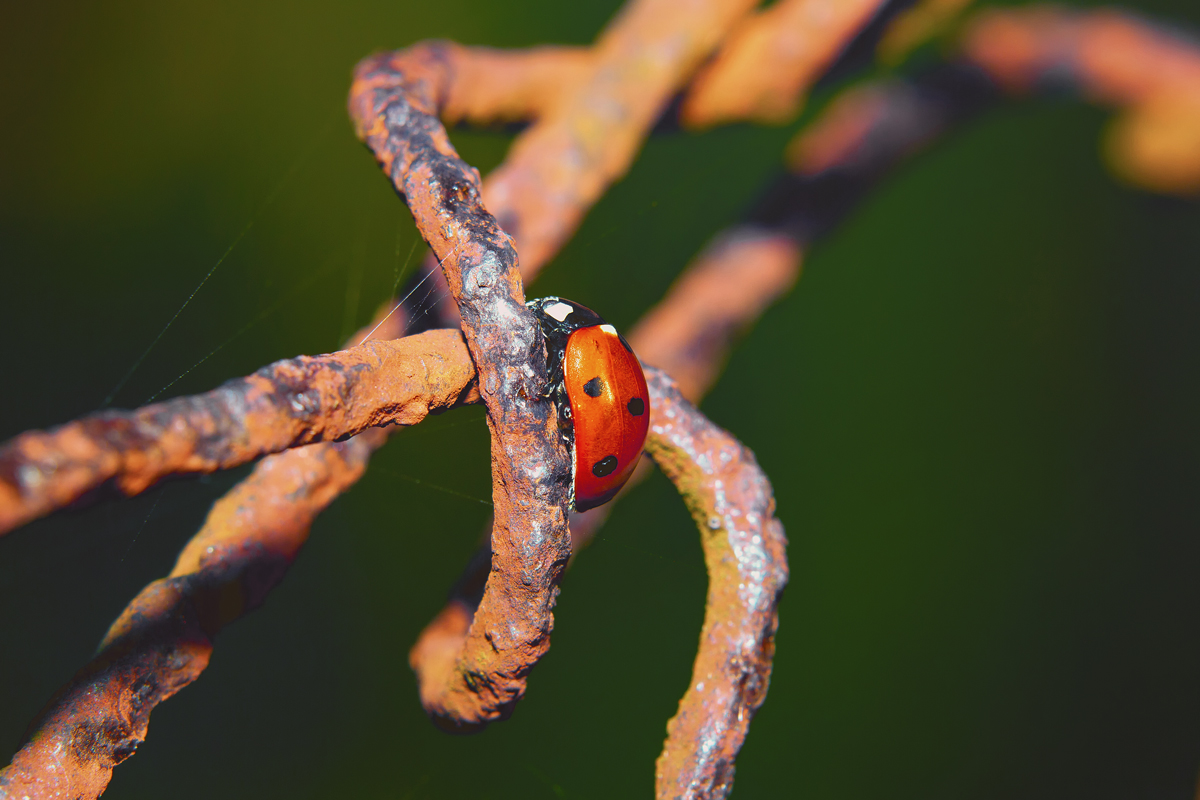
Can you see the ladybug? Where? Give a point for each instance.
(598, 387)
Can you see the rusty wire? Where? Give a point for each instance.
(591, 109)
(290, 403)
(1151, 75)
(163, 638)
(730, 499)
(799, 38)
(162, 641)
(588, 133)
(395, 101)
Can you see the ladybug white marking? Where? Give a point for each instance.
(560, 311)
(609, 329)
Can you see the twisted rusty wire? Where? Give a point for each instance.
(730, 499)
(163, 639)
(1012, 51)
(290, 403)
(1149, 73)
(799, 38)
(395, 101)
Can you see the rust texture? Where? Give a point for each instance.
(558, 168)
(1115, 58)
(730, 499)
(745, 553)
(745, 269)
(163, 639)
(587, 135)
(1150, 73)
(292, 402)
(689, 334)
(394, 102)
(590, 110)
(799, 39)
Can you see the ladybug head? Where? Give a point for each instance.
(557, 315)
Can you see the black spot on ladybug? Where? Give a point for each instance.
(594, 387)
(637, 406)
(604, 466)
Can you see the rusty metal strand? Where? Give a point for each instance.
(490, 86)
(395, 100)
(725, 289)
(587, 136)
(689, 334)
(833, 163)
(681, 332)
(744, 546)
(1149, 72)
(682, 321)
(1117, 57)
(798, 39)
(558, 168)
(289, 403)
(744, 270)
(163, 639)
(730, 499)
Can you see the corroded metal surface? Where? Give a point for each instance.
(558, 168)
(745, 269)
(395, 102)
(799, 39)
(289, 403)
(591, 109)
(731, 501)
(688, 334)
(588, 134)
(163, 639)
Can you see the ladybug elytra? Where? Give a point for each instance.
(603, 404)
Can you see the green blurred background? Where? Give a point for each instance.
(978, 409)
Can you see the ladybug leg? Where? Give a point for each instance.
(554, 382)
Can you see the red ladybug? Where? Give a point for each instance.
(603, 403)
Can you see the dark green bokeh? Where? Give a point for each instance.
(978, 410)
